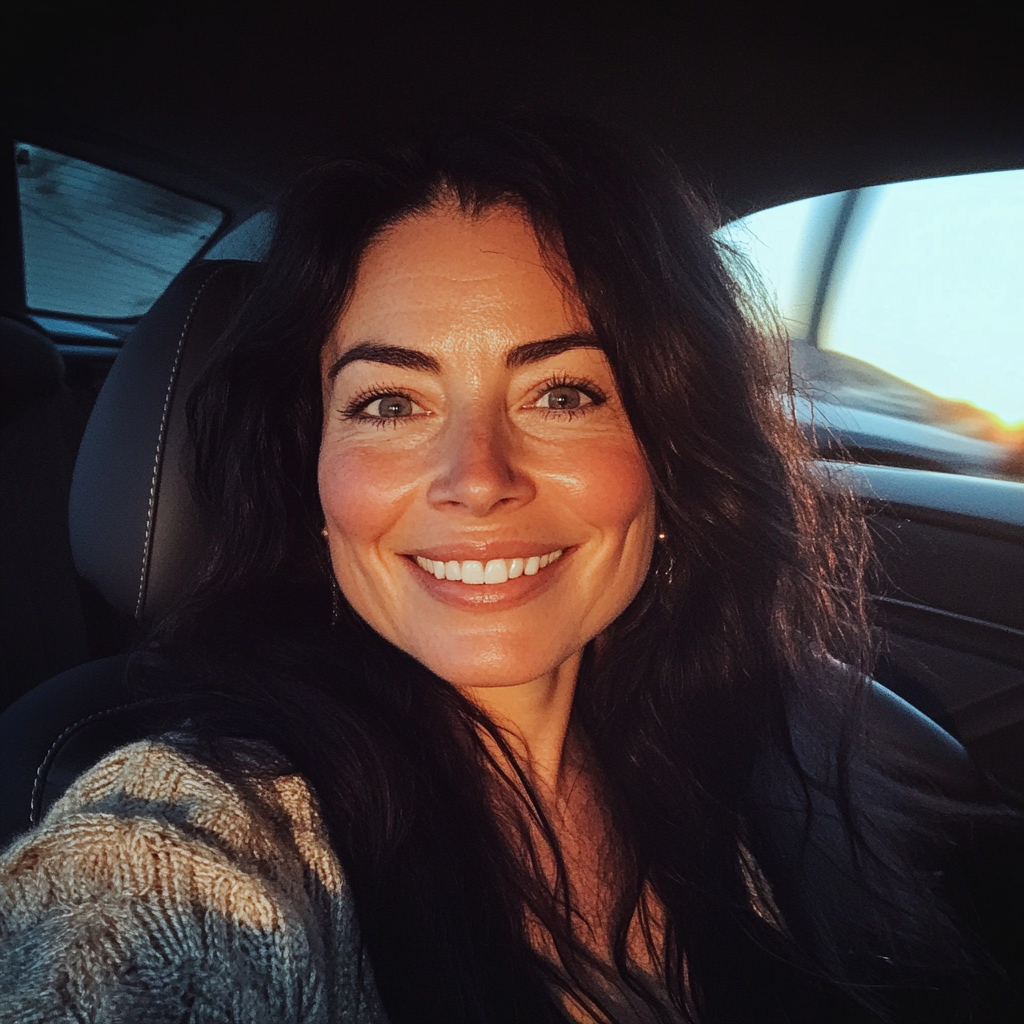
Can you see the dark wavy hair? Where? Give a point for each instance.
(750, 632)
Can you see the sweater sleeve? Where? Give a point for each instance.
(154, 892)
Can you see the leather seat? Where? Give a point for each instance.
(42, 627)
(137, 535)
(135, 532)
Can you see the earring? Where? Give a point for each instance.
(335, 589)
(662, 535)
(335, 603)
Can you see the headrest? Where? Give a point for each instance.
(136, 533)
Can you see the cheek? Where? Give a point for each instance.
(609, 485)
(362, 491)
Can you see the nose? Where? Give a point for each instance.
(477, 471)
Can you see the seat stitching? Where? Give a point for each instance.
(160, 440)
(44, 766)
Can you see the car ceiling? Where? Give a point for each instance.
(227, 102)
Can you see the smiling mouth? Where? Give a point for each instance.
(496, 570)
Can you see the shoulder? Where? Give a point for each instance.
(154, 877)
(156, 792)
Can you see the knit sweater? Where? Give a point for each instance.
(156, 891)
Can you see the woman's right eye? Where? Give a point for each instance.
(390, 407)
(381, 407)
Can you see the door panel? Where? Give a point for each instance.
(950, 599)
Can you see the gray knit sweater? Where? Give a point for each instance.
(154, 891)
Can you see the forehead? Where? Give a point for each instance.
(448, 276)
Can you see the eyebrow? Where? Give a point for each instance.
(536, 351)
(390, 355)
(413, 359)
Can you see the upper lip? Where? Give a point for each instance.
(484, 552)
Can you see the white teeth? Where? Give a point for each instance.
(497, 570)
(473, 573)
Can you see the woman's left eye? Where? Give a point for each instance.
(566, 398)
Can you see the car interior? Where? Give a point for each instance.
(870, 178)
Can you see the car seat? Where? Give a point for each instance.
(42, 626)
(137, 536)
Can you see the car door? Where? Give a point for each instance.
(905, 312)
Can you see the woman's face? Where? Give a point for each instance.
(472, 431)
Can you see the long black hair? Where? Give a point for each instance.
(753, 618)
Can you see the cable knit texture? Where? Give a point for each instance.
(157, 891)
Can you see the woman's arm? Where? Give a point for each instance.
(153, 891)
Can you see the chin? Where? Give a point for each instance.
(493, 668)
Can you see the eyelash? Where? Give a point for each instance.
(581, 384)
(366, 397)
(354, 409)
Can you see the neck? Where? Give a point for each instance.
(535, 718)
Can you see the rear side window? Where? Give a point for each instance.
(905, 307)
(99, 244)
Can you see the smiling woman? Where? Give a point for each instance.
(524, 607)
(491, 448)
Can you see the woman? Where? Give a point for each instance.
(521, 567)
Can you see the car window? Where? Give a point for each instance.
(904, 304)
(98, 243)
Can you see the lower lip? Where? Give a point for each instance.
(488, 596)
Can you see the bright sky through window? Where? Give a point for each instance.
(929, 285)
